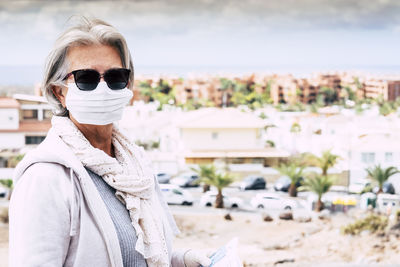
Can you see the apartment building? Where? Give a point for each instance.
(388, 89)
(283, 89)
(393, 87)
(331, 81)
(373, 88)
(308, 90)
(25, 120)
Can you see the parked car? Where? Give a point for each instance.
(253, 182)
(173, 194)
(358, 186)
(163, 178)
(272, 201)
(186, 180)
(3, 192)
(208, 200)
(387, 188)
(283, 184)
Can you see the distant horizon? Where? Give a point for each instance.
(30, 75)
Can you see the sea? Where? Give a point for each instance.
(30, 75)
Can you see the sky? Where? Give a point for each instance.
(277, 34)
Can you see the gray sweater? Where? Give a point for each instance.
(122, 222)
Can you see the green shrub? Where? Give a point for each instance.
(4, 215)
(367, 188)
(270, 143)
(8, 183)
(373, 223)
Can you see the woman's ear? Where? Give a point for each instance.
(60, 93)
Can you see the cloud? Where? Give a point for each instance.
(207, 30)
(180, 14)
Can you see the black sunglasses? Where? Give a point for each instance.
(88, 79)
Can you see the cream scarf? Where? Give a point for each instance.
(131, 175)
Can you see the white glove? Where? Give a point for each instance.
(195, 258)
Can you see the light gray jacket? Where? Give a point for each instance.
(57, 216)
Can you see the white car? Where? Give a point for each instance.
(188, 179)
(208, 200)
(272, 201)
(358, 186)
(175, 195)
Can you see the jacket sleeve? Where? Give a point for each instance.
(40, 217)
(177, 258)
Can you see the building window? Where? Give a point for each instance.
(34, 140)
(238, 160)
(367, 157)
(28, 114)
(257, 161)
(214, 135)
(388, 156)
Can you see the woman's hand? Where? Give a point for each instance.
(196, 258)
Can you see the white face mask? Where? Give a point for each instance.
(100, 106)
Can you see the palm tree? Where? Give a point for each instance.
(326, 161)
(205, 171)
(220, 181)
(211, 176)
(295, 172)
(295, 128)
(329, 95)
(319, 184)
(381, 175)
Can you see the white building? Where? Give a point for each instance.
(146, 125)
(227, 135)
(373, 149)
(24, 122)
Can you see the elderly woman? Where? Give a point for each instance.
(87, 195)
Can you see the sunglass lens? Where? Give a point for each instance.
(117, 79)
(87, 80)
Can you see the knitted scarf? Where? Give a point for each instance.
(131, 175)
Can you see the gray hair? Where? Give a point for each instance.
(84, 32)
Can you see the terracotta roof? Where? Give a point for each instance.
(31, 126)
(8, 102)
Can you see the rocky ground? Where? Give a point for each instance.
(278, 242)
(3, 245)
(288, 243)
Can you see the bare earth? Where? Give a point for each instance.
(3, 245)
(316, 243)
